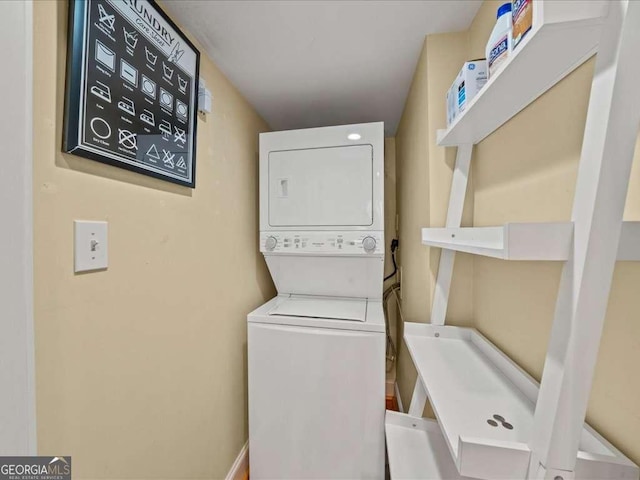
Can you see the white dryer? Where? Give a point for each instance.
(316, 352)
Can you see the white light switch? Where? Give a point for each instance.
(91, 251)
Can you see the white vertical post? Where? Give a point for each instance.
(447, 257)
(17, 377)
(418, 399)
(607, 154)
(454, 219)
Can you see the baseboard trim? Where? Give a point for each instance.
(240, 468)
(398, 398)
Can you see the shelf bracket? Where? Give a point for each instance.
(603, 178)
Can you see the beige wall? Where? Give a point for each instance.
(141, 369)
(526, 171)
(412, 172)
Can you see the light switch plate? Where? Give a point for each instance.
(91, 246)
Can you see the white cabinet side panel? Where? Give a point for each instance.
(17, 401)
(316, 402)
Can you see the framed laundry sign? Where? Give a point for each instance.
(132, 89)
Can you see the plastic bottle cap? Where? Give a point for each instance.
(504, 8)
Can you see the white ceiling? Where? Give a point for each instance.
(314, 63)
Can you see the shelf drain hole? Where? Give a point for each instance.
(493, 423)
(507, 425)
(499, 418)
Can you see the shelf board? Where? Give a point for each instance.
(468, 381)
(512, 241)
(525, 241)
(416, 449)
(564, 35)
(466, 390)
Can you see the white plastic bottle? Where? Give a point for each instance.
(499, 44)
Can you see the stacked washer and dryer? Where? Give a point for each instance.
(316, 352)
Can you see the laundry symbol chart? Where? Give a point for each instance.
(148, 86)
(165, 127)
(147, 117)
(151, 58)
(107, 20)
(168, 72)
(128, 73)
(180, 135)
(130, 38)
(167, 158)
(166, 99)
(181, 109)
(127, 139)
(153, 152)
(176, 53)
(105, 56)
(133, 98)
(101, 91)
(127, 105)
(100, 128)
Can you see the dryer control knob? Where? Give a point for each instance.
(369, 244)
(270, 243)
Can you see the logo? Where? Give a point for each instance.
(498, 50)
(176, 53)
(182, 84)
(35, 468)
(519, 5)
(127, 139)
(151, 58)
(168, 158)
(179, 135)
(106, 19)
(131, 38)
(472, 66)
(168, 72)
(149, 18)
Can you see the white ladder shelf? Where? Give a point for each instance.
(494, 420)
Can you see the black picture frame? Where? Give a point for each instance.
(131, 95)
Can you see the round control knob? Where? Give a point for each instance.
(270, 243)
(369, 244)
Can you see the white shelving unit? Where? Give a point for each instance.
(512, 241)
(470, 382)
(524, 241)
(494, 420)
(570, 31)
(417, 449)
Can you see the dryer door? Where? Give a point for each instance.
(321, 187)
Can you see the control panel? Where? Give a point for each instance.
(303, 243)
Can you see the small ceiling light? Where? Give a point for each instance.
(354, 136)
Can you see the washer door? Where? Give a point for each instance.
(322, 307)
(316, 403)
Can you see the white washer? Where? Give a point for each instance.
(316, 352)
